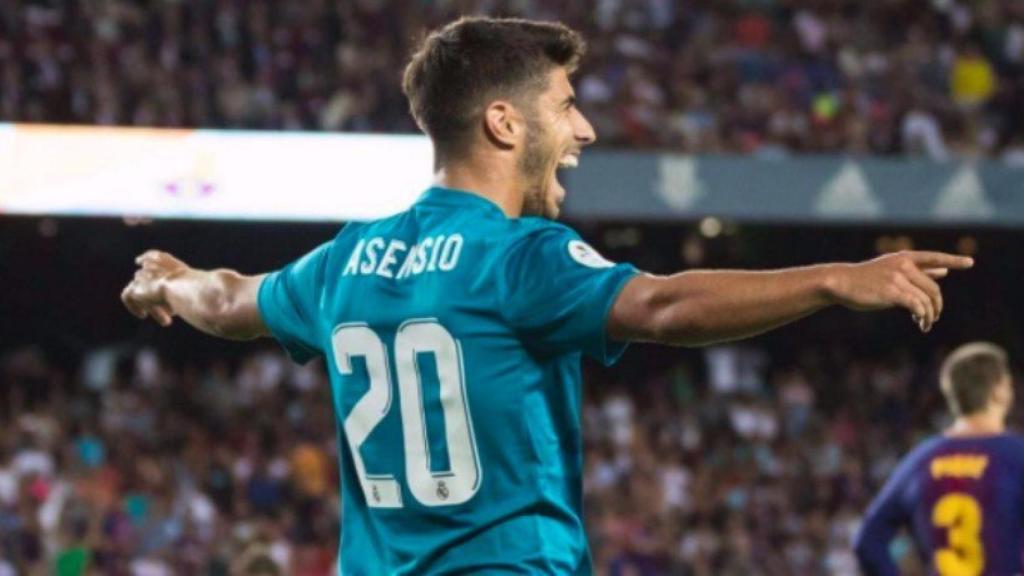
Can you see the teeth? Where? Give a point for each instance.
(569, 161)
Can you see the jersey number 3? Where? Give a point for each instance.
(960, 515)
(431, 488)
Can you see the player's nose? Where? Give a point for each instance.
(584, 131)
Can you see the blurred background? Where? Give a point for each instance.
(732, 133)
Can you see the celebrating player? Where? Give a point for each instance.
(961, 494)
(453, 331)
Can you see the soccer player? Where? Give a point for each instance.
(453, 331)
(962, 493)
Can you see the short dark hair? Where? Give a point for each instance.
(970, 373)
(461, 67)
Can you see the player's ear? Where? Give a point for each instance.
(1002, 394)
(503, 124)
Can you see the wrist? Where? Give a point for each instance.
(833, 282)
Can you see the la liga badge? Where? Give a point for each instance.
(582, 252)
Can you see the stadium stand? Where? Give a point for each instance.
(770, 77)
(721, 462)
(166, 452)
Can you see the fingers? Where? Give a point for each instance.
(162, 315)
(129, 303)
(921, 270)
(929, 287)
(158, 260)
(150, 256)
(152, 260)
(940, 260)
(917, 302)
(137, 299)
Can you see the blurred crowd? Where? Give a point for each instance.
(133, 467)
(939, 78)
(747, 469)
(719, 463)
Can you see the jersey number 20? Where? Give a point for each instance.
(462, 480)
(960, 515)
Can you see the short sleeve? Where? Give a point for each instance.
(556, 292)
(289, 300)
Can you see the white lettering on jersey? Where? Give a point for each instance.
(421, 256)
(416, 262)
(407, 264)
(389, 258)
(436, 253)
(582, 253)
(370, 263)
(450, 253)
(353, 261)
(438, 240)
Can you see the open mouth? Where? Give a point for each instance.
(570, 160)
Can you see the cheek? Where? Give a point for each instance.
(568, 131)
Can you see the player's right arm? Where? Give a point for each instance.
(219, 302)
(697, 308)
(884, 518)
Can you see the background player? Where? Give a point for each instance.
(962, 493)
(453, 331)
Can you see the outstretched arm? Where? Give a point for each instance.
(219, 302)
(697, 308)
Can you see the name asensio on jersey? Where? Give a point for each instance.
(379, 256)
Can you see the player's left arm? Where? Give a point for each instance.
(701, 307)
(219, 302)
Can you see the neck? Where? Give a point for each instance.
(984, 423)
(498, 181)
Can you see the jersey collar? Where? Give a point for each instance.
(439, 195)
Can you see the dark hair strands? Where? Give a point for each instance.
(459, 68)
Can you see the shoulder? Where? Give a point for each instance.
(921, 453)
(343, 239)
(532, 226)
(1013, 444)
(556, 245)
(352, 232)
(522, 236)
(928, 447)
(1015, 438)
(538, 235)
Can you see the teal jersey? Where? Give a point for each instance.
(453, 337)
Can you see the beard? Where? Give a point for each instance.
(533, 168)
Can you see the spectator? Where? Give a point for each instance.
(765, 77)
(690, 468)
(972, 79)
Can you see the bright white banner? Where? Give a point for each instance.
(217, 174)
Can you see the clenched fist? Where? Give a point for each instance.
(144, 295)
(906, 279)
